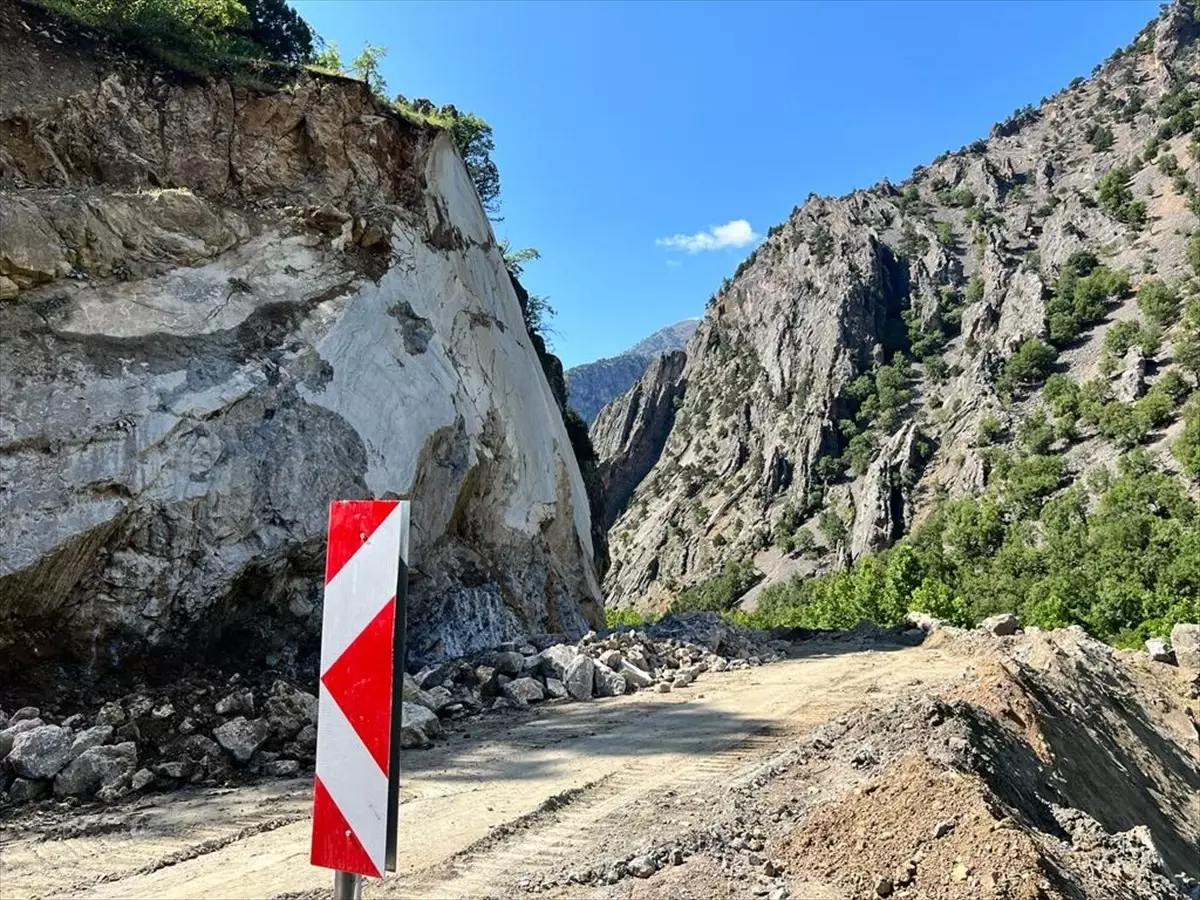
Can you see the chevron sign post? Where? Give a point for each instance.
(356, 791)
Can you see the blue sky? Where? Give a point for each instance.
(628, 134)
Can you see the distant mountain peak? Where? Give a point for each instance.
(593, 385)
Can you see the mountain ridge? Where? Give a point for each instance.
(851, 372)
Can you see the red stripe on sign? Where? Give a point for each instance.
(334, 845)
(351, 523)
(360, 683)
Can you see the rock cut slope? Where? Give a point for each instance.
(225, 306)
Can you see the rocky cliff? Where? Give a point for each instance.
(224, 306)
(629, 433)
(594, 384)
(850, 373)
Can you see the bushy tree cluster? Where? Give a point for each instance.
(1081, 295)
(1121, 559)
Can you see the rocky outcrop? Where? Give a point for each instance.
(847, 366)
(595, 384)
(228, 306)
(630, 432)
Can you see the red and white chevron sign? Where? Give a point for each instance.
(356, 794)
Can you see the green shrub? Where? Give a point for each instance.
(1099, 136)
(1030, 365)
(1115, 195)
(626, 617)
(1187, 352)
(1158, 302)
(975, 289)
(721, 592)
(1081, 296)
(1186, 448)
(1062, 394)
(990, 431)
(832, 527)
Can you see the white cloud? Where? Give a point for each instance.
(736, 233)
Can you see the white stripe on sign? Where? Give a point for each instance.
(353, 778)
(365, 583)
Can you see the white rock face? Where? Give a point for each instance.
(177, 418)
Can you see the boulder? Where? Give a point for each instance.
(1002, 624)
(289, 709)
(555, 689)
(523, 691)
(23, 790)
(414, 694)
(440, 697)
(1160, 652)
(1185, 641)
(242, 736)
(487, 677)
(635, 676)
(96, 736)
(141, 780)
(95, 768)
(506, 662)
(642, 866)
(580, 677)
(432, 676)
(9, 734)
(556, 659)
(924, 621)
(176, 769)
(40, 752)
(418, 725)
(607, 682)
(612, 659)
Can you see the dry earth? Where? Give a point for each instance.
(816, 777)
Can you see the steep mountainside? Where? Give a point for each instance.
(854, 371)
(594, 384)
(222, 307)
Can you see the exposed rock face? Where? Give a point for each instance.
(595, 384)
(630, 432)
(972, 247)
(231, 307)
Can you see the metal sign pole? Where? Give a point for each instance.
(347, 886)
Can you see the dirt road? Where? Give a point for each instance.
(507, 795)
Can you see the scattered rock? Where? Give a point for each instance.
(282, 768)
(40, 752)
(242, 736)
(579, 677)
(555, 689)
(960, 872)
(664, 687)
(96, 768)
(634, 675)
(523, 691)
(417, 725)
(289, 709)
(24, 714)
(1160, 652)
(129, 732)
(141, 780)
(238, 703)
(642, 866)
(607, 682)
(884, 886)
(111, 714)
(943, 828)
(25, 790)
(506, 662)
(612, 659)
(1002, 624)
(96, 736)
(162, 712)
(555, 660)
